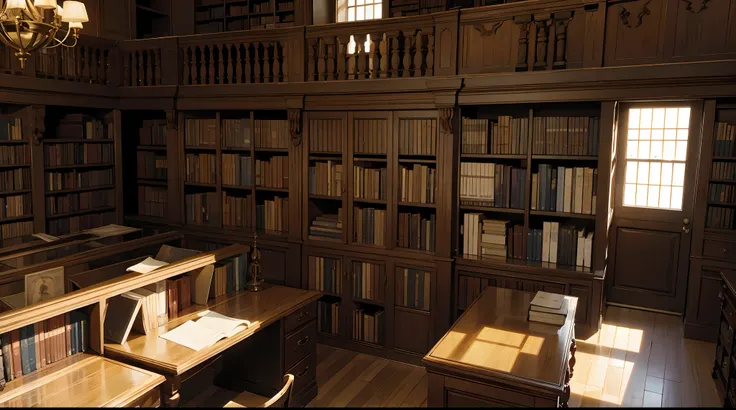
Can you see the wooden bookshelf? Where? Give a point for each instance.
(153, 18)
(152, 166)
(213, 16)
(16, 177)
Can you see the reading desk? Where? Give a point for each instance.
(279, 340)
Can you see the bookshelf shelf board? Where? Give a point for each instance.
(724, 158)
(151, 148)
(367, 301)
(563, 214)
(238, 187)
(13, 142)
(337, 153)
(317, 238)
(492, 156)
(565, 157)
(200, 184)
(724, 204)
(367, 245)
(261, 13)
(151, 10)
(273, 150)
(326, 197)
(18, 192)
(370, 201)
(417, 205)
(411, 310)
(491, 209)
(77, 140)
(153, 182)
(15, 166)
(417, 251)
(325, 157)
(86, 189)
(723, 181)
(523, 265)
(270, 189)
(236, 149)
(356, 158)
(272, 233)
(201, 148)
(99, 165)
(15, 218)
(720, 231)
(82, 212)
(416, 161)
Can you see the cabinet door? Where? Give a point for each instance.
(370, 302)
(413, 289)
(703, 306)
(326, 273)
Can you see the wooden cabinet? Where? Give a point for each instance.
(701, 316)
(724, 367)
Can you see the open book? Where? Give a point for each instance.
(206, 331)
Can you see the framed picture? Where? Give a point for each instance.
(44, 285)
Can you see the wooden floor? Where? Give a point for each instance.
(636, 359)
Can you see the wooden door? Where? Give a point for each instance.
(658, 151)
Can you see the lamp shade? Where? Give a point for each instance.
(16, 4)
(74, 12)
(59, 11)
(45, 4)
(75, 24)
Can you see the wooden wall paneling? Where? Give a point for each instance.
(218, 169)
(296, 150)
(702, 179)
(34, 129)
(595, 31)
(703, 304)
(635, 32)
(700, 30)
(443, 294)
(252, 154)
(601, 235)
(175, 195)
(117, 19)
(117, 121)
(583, 38)
(445, 42)
(181, 199)
(490, 46)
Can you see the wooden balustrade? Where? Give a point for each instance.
(150, 62)
(89, 62)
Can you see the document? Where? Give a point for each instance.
(111, 230)
(206, 331)
(147, 265)
(45, 237)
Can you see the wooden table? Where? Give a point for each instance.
(281, 348)
(493, 356)
(84, 380)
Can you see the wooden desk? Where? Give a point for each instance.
(493, 356)
(84, 380)
(289, 346)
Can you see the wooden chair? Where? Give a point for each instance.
(281, 399)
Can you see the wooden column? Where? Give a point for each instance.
(34, 128)
(174, 192)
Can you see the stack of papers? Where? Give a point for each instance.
(206, 331)
(147, 265)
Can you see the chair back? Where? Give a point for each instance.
(283, 397)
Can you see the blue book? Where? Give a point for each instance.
(420, 290)
(542, 190)
(25, 356)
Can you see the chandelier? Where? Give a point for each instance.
(29, 25)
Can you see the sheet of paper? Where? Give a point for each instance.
(147, 265)
(222, 324)
(45, 237)
(111, 230)
(548, 300)
(192, 336)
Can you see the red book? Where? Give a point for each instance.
(15, 347)
(172, 298)
(184, 290)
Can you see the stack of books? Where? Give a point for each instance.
(550, 308)
(493, 238)
(327, 225)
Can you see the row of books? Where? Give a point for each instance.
(83, 126)
(273, 215)
(325, 274)
(561, 189)
(16, 205)
(78, 154)
(369, 226)
(200, 168)
(417, 231)
(418, 184)
(234, 271)
(81, 201)
(38, 345)
(566, 136)
(724, 171)
(507, 136)
(152, 165)
(368, 281)
(516, 244)
(325, 178)
(58, 181)
(720, 218)
(273, 173)
(272, 134)
(325, 135)
(152, 201)
(328, 317)
(469, 288)
(563, 245)
(724, 144)
(15, 229)
(418, 136)
(152, 132)
(236, 211)
(15, 155)
(723, 193)
(483, 236)
(369, 136)
(236, 133)
(199, 208)
(236, 170)
(73, 224)
(413, 288)
(200, 132)
(15, 179)
(368, 326)
(370, 183)
(11, 129)
(327, 226)
(492, 185)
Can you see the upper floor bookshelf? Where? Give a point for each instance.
(16, 204)
(213, 16)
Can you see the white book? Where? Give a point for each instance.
(45, 237)
(587, 190)
(588, 256)
(546, 229)
(474, 234)
(535, 190)
(578, 191)
(466, 233)
(547, 300)
(147, 265)
(559, 203)
(553, 239)
(581, 249)
(548, 318)
(206, 331)
(569, 184)
(562, 310)
(492, 183)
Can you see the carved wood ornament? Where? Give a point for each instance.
(446, 116)
(625, 14)
(486, 32)
(295, 127)
(521, 58)
(38, 124)
(540, 62)
(561, 21)
(689, 7)
(171, 123)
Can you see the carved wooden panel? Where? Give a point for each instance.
(273, 262)
(115, 19)
(489, 47)
(635, 32)
(636, 270)
(411, 331)
(701, 29)
(708, 303)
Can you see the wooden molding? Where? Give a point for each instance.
(625, 14)
(485, 32)
(689, 7)
(295, 126)
(171, 120)
(38, 125)
(446, 116)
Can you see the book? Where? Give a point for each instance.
(121, 314)
(547, 318)
(205, 331)
(147, 265)
(547, 300)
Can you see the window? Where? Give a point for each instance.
(656, 151)
(359, 10)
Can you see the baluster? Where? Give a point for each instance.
(238, 64)
(276, 63)
(210, 65)
(408, 42)
(157, 58)
(104, 65)
(78, 62)
(187, 73)
(322, 59)
(394, 69)
(126, 69)
(96, 54)
(222, 67)
(331, 59)
(343, 46)
(258, 59)
(267, 62)
(285, 63)
(141, 68)
(375, 56)
(149, 67)
(197, 65)
(355, 60)
(310, 62)
(234, 64)
(247, 55)
(430, 56)
(365, 57)
(85, 64)
(384, 60)
(418, 53)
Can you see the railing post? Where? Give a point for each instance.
(296, 60)
(446, 42)
(170, 63)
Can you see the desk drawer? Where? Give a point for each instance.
(719, 249)
(300, 317)
(300, 344)
(305, 372)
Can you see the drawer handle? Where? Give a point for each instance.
(302, 315)
(303, 372)
(302, 342)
